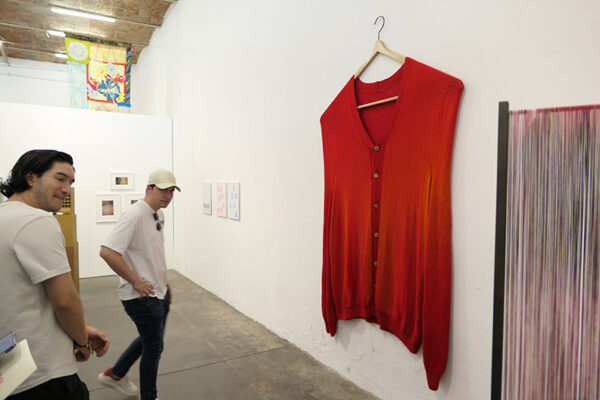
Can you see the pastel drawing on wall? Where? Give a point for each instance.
(221, 200)
(233, 200)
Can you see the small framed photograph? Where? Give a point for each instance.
(131, 198)
(121, 181)
(108, 207)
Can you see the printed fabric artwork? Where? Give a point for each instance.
(78, 51)
(78, 56)
(98, 73)
(387, 252)
(77, 73)
(107, 77)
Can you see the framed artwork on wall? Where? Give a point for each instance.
(221, 199)
(233, 200)
(131, 198)
(108, 207)
(121, 181)
(207, 198)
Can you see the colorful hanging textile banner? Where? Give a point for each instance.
(77, 73)
(99, 73)
(78, 56)
(78, 51)
(107, 77)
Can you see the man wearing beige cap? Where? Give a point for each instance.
(135, 251)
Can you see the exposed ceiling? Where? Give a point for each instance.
(24, 25)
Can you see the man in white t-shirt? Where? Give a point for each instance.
(39, 301)
(135, 251)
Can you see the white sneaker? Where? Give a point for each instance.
(123, 385)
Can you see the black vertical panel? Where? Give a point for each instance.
(500, 251)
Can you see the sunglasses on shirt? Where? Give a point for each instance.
(158, 223)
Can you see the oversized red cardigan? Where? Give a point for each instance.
(387, 226)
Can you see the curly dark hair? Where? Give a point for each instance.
(34, 161)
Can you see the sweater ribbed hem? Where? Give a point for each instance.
(385, 322)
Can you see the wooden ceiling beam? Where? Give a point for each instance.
(39, 28)
(33, 50)
(130, 21)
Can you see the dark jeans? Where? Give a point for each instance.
(63, 388)
(150, 316)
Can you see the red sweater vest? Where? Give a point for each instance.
(387, 250)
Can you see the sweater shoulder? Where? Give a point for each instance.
(432, 76)
(338, 102)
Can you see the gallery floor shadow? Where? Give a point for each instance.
(212, 351)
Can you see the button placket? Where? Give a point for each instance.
(376, 190)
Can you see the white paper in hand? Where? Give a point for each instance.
(15, 367)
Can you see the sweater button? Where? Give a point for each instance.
(376, 205)
(376, 175)
(375, 263)
(376, 148)
(376, 234)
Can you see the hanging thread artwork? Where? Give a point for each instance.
(551, 338)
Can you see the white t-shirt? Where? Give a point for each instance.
(142, 246)
(32, 250)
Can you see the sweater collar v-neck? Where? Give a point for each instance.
(400, 76)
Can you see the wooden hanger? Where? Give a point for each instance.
(379, 48)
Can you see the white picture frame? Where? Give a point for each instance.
(221, 197)
(122, 181)
(130, 198)
(207, 198)
(108, 207)
(233, 200)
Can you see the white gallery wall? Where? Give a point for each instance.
(246, 84)
(100, 143)
(34, 82)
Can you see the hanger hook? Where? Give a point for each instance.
(382, 25)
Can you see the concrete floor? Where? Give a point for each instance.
(211, 352)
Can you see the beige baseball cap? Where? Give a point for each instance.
(163, 179)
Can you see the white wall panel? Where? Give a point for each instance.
(100, 143)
